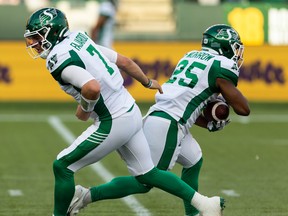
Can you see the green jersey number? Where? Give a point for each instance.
(92, 50)
(191, 78)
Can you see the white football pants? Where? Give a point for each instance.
(126, 136)
(169, 144)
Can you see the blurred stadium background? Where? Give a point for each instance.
(246, 163)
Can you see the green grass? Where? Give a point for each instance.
(249, 158)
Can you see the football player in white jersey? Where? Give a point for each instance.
(90, 74)
(199, 77)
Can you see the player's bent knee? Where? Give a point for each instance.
(144, 188)
(61, 170)
(57, 167)
(148, 178)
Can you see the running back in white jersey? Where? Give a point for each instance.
(78, 49)
(193, 84)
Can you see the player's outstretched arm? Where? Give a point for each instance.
(132, 69)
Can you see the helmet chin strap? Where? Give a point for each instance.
(220, 51)
(45, 54)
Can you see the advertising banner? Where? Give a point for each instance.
(23, 78)
(259, 23)
(263, 76)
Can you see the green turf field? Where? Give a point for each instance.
(246, 164)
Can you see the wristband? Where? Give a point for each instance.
(86, 104)
(149, 84)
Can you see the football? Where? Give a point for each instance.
(216, 110)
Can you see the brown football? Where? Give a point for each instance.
(216, 110)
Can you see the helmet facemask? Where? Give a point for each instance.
(37, 44)
(238, 50)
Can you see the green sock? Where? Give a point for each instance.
(168, 182)
(117, 188)
(64, 188)
(191, 176)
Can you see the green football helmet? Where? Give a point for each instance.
(225, 41)
(44, 29)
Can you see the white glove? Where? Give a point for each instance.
(220, 97)
(216, 126)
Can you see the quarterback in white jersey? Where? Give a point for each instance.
(200, 76)
(77, 50)
(91, 75)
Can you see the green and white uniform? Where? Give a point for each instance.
(191, 86)
(166, 127)
(107, 133)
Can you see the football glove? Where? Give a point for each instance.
(220, 97)
(213, 126)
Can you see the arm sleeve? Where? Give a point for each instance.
(109, 53)
(76, 76)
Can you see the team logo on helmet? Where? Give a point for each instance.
(47, 16)
(226, 34)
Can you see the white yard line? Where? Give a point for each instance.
(15, 192)
(66, 134)
(280, 142)
(260, 118)
(230, 193)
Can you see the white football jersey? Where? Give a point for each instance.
(193, 84)
(79, 50)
